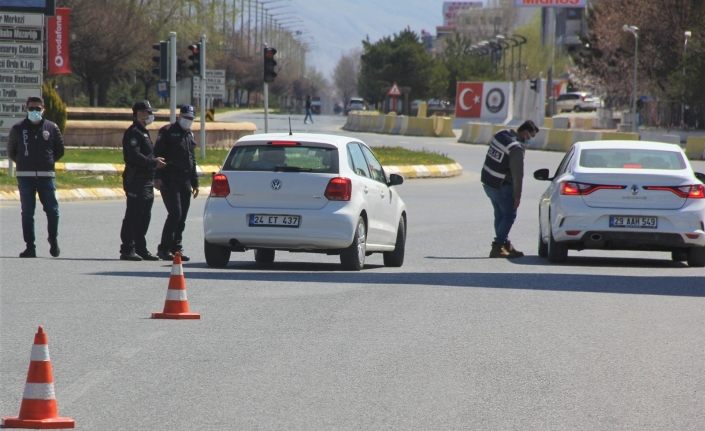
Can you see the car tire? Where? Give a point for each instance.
(264, 256)
(543, 247)
(556, 251)
(679, 255)
(696, 257)
(577, 108)
(353, 257)
(396, 258)
(217, 256)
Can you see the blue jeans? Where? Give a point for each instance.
(29, 187)
(502, 200)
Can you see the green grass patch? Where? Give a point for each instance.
(389, 156)
(396, 156)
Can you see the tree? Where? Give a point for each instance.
(345, 76)
(401, 59)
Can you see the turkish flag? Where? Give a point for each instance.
(468, 100)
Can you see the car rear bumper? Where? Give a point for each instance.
(318, 229)
(591, 229)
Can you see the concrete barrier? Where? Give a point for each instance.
(559, 140)
(548, 122)
(660, 137)
(560, 123)
(465, 133)
(389, 121)
(86, 133)
(586, 135)
(485, 133)
(622, 136)
(695, 147)
(404, 124)
(443, 127)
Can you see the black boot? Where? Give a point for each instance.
(30, 251)
(54, 247)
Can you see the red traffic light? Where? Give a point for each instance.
(194, 48)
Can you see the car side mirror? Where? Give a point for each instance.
(542, 175)
(395, 180)
(700, 176)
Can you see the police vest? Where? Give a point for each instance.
(496, 167)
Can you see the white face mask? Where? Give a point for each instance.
(34, 116)
(185, 123)
(149, 120)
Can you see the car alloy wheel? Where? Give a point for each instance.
(353, 257)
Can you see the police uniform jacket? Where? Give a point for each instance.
(177, 146)
(138, 153)
(504, 161)
(35, 148)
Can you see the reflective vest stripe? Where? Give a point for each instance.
(35, 174)
(494, 173)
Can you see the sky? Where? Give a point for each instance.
(336, 27)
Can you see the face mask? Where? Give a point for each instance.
(185, 123)
(34, 116)
(149, 120)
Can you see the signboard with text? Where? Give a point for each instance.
(215, 84)
(550, 3)
(21, 66)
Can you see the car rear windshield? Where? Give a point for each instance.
(282, 158)
(624, 158)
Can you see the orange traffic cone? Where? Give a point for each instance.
(38, 409)
(176, 304)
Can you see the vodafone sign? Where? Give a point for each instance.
(484, 100)
(58, 42)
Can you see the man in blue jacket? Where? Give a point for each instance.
(35, 144)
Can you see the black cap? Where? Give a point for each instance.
(143, 105)
(187, 111)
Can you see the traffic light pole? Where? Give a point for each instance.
(266, 107)
(172, 77)
(202, 53)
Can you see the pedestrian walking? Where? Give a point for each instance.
(35, 144)
(308, 111)
(138, 183)
(502, 177)
(178, 181)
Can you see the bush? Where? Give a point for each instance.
(54, 107)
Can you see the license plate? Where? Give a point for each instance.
(641, 222)
(277, 220)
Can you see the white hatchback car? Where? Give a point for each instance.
(304, 193)
(623, 195)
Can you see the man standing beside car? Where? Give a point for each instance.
(502, 177)
(138, 183)
(178, 181)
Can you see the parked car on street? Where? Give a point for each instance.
(577, 102)
(623, 195)
(304, 193)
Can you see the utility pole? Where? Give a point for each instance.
(172, 77)
(202, 53)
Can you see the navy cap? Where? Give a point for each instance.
(143, 105)
(187, 111)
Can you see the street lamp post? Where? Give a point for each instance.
(687, 35)
(634, 31)
(522, 40)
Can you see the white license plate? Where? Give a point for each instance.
(642, 222)
(278, 220)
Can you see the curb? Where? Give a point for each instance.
(107, 193)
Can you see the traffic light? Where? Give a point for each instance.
(535, 84)
(195, 58)
(269, 64)
(161, 63)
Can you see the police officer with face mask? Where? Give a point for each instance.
(138, 183)
(178, 181)
(34, 145)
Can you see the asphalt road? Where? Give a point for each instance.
(452, 340)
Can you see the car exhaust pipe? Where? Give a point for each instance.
(596, 237)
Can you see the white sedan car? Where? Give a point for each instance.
(304, 193)
(623, 195)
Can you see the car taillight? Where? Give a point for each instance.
(220, 187)
(695, 191)
(338, 189)
(574, 188)
(284, 143)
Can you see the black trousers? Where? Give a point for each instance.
(177, 200)
(138, 213)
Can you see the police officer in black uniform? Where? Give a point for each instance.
(178, 181)
(35, 144)
(138, 183)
